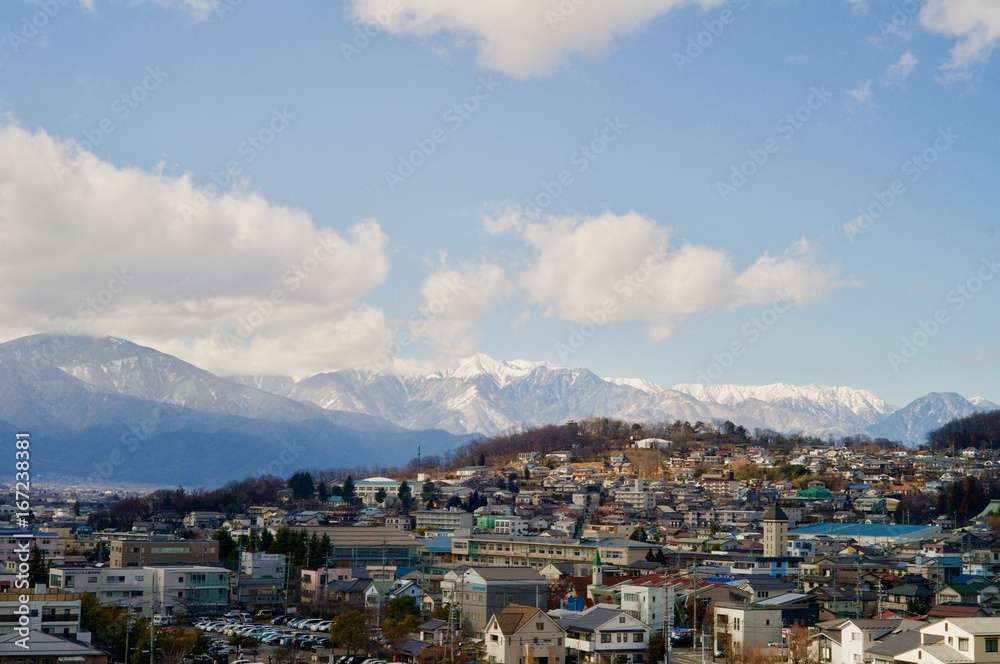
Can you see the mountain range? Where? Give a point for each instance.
(108, 410)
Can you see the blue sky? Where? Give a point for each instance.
(656, 189)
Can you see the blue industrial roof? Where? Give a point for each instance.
(888, 531)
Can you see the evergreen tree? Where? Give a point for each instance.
(350, 494)
(301, 484)
(405, 495)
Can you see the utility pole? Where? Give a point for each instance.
(128, 628)
(670, 624)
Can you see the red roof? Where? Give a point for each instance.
(955, 611)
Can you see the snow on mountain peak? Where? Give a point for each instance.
(644, 386)
(500, 371)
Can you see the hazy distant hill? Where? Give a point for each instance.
(83, 400)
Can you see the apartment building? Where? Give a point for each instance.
(50, 610)
(448, 521)
(637, 495)
(12, 542)
(139, 553)
(192, 589)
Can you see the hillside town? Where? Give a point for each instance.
(808, 553)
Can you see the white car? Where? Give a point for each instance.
(322, 626)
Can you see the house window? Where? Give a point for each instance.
(638, 637)
(621, 619)
(540, 626)
(963, 645)
(494, 638)
(991, 645)
(605, 638)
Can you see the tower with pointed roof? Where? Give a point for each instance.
(775, 532)
(598, 576)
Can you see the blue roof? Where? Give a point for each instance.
(860, 530)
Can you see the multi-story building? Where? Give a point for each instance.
(448, 521)
(262, 565)
(375, 545)
(366, 489)
(524, 635)
(749, 625)
(192, 589)
(139, 553)
(637, 495)
(110, 585)
(645, 599)
(481, 592)
(50, 610)
(512, 525)
(12, 543)
(537, 552)
(261, 581)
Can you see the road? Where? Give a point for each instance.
(689, 656)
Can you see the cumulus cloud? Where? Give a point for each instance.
(522, 38)
(975, 23)
(902, 68)
(92, 248)
(454, 302)
(624, 266)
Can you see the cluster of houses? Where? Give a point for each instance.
(550, 560)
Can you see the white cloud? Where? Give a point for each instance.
(863, 93)
(624, 266)
(522, 38)
(903, 67)
(199, 9)
(73, 239)
(976, 24)
(858, 6)
(454, 302)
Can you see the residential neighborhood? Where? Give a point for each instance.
(729, 551)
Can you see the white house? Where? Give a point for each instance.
(524, 635)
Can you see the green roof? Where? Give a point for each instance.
(815, 493)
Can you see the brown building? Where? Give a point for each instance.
(139, 553)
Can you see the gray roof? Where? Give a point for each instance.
(896, 644)
(775, 513)
(508, 574)
(590, 619)
(49, 645)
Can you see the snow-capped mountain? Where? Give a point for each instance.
(911, 424)
(112, 410)
(488, 396)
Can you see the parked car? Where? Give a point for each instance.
(279, 620)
